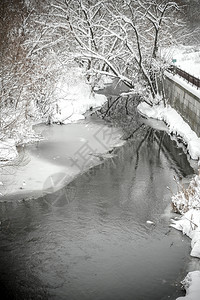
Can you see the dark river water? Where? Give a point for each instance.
(92, 239)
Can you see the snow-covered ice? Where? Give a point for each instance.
(65, 152)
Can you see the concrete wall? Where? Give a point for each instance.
(187, 104)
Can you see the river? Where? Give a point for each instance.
(103, 236)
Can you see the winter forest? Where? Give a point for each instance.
(42, 41)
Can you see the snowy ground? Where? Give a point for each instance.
(187, 202)
(74, 97)
(187, 58)
(8, 150)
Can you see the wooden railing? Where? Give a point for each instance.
(191, 79)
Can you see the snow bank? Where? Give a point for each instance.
(176, 125)
(72, 111)
(189, 224)
(191, 284)
(73, 97)
(8, 150)
(187, 198)
(187, 202)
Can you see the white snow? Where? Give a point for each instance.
(187, 58)
(175, 123)
(187, 202)
(8, 150)
(74, 97)
(189, 224)
(187, 198)
(191, 285)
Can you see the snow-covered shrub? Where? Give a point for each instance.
(187, 198)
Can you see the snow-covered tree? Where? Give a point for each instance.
(119, 38)
(27, 77)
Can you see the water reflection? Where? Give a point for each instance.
(91, 240)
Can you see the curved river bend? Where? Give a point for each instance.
(92, 239)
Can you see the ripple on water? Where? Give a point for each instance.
(99, 245)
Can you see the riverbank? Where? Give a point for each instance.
(187, 203)
(187, 200)
(176, 125)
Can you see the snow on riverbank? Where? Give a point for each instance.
(191, 284)
(176, 125)
(189, 224)
(74, 96)
(187, 200)
(8, 150)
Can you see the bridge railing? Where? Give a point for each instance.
(189, 78)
